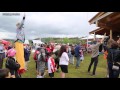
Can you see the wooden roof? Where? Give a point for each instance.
(110, 21)
(96, 16)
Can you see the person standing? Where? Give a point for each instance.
(95, 54)
(29, 51)
(19, 45)
(51, 65)
(41, 61)
(26, 56)
(1, 54)
(77, 55)
(12, 64)
(57, 58)
(5, 73)
(64, 60)
(113, 59)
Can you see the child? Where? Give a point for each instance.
(5, 73)
(51, 65)
(12, 64)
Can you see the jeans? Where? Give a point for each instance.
(57, 62)
(36, 65)
(71, 57)
(1, 60)
(95, 61)
(113, 73)
(78, 61)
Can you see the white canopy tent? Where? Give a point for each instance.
(92, 36)
(37, 42)
(26, 42)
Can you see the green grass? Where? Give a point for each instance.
(81, 72)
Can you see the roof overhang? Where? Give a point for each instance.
(99, 16)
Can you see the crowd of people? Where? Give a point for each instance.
(50, 58)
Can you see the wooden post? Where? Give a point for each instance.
(94, 36)
(110, 34)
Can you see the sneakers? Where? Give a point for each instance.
(88, 72)
(92, 74)
(39, 76)
(107, 76)
(57, 71)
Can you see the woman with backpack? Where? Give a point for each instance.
(12, 64)
(41, 60)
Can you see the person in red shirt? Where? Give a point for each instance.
(51, 65)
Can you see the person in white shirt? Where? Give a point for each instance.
(64, 60)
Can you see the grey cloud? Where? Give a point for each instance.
(45, 24)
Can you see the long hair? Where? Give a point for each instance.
(62, 49)
(110, 42)
(114, 45)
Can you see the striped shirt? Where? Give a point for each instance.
(20, 32)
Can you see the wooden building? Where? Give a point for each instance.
(108, 22)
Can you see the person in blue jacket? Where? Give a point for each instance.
(77, 55)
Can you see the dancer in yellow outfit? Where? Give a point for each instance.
(19, 45)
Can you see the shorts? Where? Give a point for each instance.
(51, 75)
(64, 68)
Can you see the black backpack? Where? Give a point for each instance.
(12, 64)
(114, 55)
(41, 57)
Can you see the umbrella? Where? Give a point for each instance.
(5, 42)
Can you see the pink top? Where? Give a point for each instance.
(11, 52)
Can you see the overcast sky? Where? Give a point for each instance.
(47, 24)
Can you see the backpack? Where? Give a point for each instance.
(12, 64)
(114, 55)
(41, 57)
